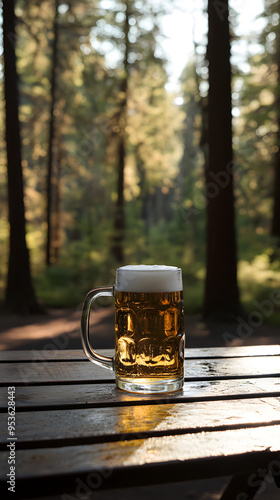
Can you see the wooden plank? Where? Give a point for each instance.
(42, 355)
(232, 352)
(74, 460)
(80, 372)
(52, 373)
(190, 353)
(69, 427)
(97, 395)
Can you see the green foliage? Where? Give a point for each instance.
(58, 287)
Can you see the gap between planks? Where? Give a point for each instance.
(46, 373)
(41, 355)
(70, 427)
(88, 396)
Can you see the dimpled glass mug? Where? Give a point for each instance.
(149, 328)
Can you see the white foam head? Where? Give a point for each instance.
(149, 279)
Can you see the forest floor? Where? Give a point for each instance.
(60, 329)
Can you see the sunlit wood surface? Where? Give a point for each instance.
(71, 420)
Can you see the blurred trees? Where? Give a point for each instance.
(273, 14)
(51, 146)
(257, 135)
(191, 177)
(130, 29)
(126, 159)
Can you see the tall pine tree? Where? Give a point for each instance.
(20, 296)
(221, 289)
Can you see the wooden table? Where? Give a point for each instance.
(74, 429)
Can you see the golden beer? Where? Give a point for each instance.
(150, 336)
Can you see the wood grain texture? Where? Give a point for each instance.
(73, 460)
(78, 354)
(68, 372)
(66, 427)
(102, 395)
(72, 423)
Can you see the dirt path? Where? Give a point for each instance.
(60, 329)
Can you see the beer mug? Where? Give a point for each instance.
(149, 328)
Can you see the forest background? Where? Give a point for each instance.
(114, 161)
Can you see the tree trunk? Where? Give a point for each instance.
(119, 222)
(20, 296)
(49, 217)
(56, 240)
(221, 289)
(119, 217)
(275, 228)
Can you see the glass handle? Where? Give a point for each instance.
(107, 362)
